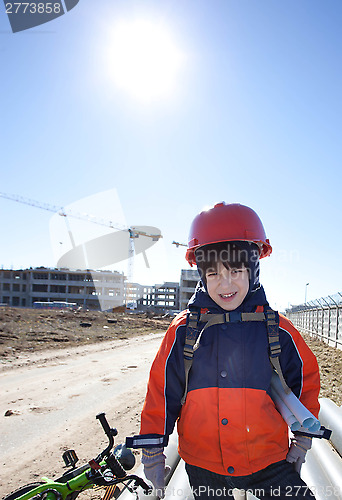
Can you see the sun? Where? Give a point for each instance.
(144, 59)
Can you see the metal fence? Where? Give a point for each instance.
(321, 318)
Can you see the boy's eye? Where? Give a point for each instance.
(236, 271)
(211, 273)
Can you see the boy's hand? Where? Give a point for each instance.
(155, 469)
(298, 449)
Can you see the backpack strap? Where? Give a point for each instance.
(272, 323)
(231, 317)
(193, 336)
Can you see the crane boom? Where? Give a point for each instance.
(179, 244)
(133, 232)
(33, 203)
(60, 210)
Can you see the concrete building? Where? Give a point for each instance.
(188, 282)
(93, 289)
(88, 289)
(160, 297)
(133, 292)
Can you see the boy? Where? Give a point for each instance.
(212, 373)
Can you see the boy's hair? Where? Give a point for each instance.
(232, 254)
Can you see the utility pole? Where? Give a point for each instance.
(306, 288)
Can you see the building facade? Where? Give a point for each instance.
(160, 297)
(88, 289)
(93, 289)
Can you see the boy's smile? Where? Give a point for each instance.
(227, 287)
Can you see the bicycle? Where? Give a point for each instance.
(108, 470)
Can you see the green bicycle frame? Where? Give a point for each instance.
(78, 483)
(104, 470)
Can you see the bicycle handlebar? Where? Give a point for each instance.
(93, 473)
(112, 462)
(108, 431)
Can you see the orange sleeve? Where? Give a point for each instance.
(157, 410)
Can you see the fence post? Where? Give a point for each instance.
(329, 317)
(337, 317)
(337, 320)
(317, 320)
(336, 329)
(311, 325)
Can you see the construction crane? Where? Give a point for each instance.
(133, 231)
(76, 215)
(179, 244)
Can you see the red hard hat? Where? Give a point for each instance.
(232, 222)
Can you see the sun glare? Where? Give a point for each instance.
(144, 60)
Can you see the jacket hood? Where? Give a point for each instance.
(202, 300)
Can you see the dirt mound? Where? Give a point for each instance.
(32, 330)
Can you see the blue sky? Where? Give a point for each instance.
(254, 117)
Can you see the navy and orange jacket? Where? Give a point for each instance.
(229, 423)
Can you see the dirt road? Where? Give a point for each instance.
(52, 397)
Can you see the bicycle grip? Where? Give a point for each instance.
(104, 423)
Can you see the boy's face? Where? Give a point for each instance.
(227, 287)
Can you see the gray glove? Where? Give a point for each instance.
(298, 449)
(155, 469)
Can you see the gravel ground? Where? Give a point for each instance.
(32, 330)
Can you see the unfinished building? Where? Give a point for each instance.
(92, 289)
(87, 289)
(160, 297)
